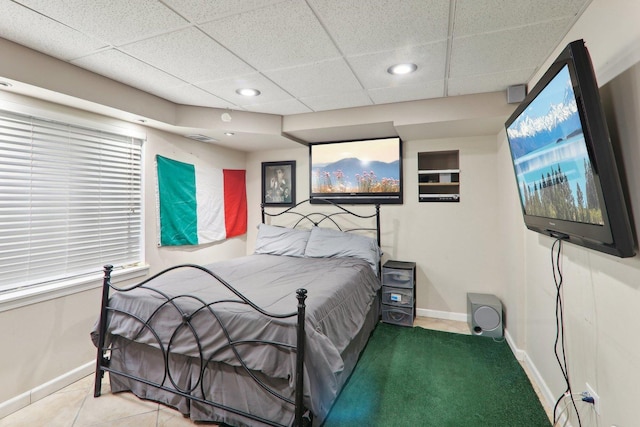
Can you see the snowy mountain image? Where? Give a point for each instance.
(537, 127)
(550, 156)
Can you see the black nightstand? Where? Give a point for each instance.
(398, 292)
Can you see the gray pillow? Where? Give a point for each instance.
(329, 243)
(281, 240)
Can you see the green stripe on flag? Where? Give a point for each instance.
(178, 208)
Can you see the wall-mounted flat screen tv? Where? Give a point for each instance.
(564, 161)
(363, 171)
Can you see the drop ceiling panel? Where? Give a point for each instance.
(360, 26)
(191, 95)
(119, 66)
(338, 101)
(503, 50)
(283, 107)
(188, 54)
(477, 17)
(112, 21)
(283, 35)
(371, 69)
(489, 82)
(320, 78)
(226, 89)
(43, 34)
(199, 11)
(426, 90)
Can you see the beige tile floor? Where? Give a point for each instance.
(75, 406)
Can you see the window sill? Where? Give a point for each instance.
(37, 294)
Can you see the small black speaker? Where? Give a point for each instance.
(516, 94)
(484, 315)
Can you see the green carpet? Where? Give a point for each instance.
(419, 377)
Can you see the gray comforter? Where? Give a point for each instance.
(340, 293)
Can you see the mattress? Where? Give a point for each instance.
(184, 310)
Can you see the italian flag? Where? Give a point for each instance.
(199, 205)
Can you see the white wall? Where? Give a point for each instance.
(43, 341)
(601, 292)
(202, 155)
(439, 237)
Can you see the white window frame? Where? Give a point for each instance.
(14, 298)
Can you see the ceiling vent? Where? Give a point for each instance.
(201, 138)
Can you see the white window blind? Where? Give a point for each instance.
(70, 201)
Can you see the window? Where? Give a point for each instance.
(70, 201)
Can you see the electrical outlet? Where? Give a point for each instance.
(596, 398)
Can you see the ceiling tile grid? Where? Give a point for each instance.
(40, 33)
(187, 94)
(517, 48)
(303, 55)
(367, 26)
(200, 12)
(283, 35)
(492, 82)
(113, 21)
(188, 54)
(283, 108)
(226, 89)
(128, 70)
(328, 77)
(408, 92)
(487, 16)
(338, 101)
(371, 68)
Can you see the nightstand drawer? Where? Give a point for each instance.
(397, 315)
(397, 296)
(397, 278)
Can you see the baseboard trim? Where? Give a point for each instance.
(27, 398)
(447, 315)
(550, 400)
(519, 354)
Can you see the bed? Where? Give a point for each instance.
(266, 339)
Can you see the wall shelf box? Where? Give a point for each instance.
(439, 176)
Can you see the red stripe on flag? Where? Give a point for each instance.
(235, 202)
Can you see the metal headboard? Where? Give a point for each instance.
(317, 218)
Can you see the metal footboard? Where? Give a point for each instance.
(209, 309)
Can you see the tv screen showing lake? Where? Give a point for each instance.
(549, 151)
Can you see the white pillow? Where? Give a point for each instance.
(281, 240)
(329, 243)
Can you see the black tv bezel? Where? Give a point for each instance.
(357, 198)
(615, 236)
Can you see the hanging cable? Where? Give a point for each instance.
(559, 344)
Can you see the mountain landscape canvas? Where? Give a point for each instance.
(356, 167)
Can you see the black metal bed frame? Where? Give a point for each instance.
(302, 417)
(317, 218)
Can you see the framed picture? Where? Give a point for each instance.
(279, 183)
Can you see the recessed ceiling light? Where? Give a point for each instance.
(5, 84)
(248, 92)
(402, 68)
(229, 133)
